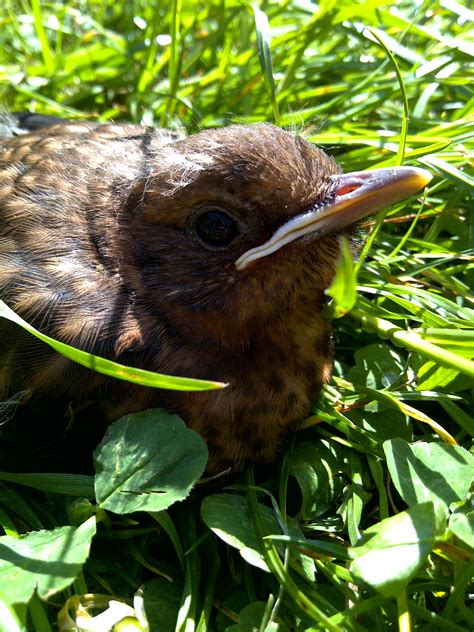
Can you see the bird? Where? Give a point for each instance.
(205, 256)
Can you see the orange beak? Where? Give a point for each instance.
(358, 194)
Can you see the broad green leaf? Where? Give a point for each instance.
(45, 561)
(9, 621)
(229, 517)
(317, 467)
(147, 461)
(377, 366)
(431, 376)
(462, 526)
(392, 550)
(422, 471)
(162, 599)
(250, 619)
(107, 367)
(382, 421)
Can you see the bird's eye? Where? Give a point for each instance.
(215, 227)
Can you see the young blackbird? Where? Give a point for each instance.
(205, 257)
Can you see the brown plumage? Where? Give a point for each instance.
(123, 241)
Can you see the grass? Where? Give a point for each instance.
(366, 521)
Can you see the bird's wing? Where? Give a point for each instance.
(16, 123)
(19, 123)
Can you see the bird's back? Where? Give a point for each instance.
(62, 186)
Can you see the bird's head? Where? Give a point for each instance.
(242, 224)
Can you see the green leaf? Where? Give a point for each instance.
(432, 377)
(377, 366)
(229, 517)
(343, 288)
(45, 561)
(262, 30)
(147, 461)
(107, 367)
(251, 617)
(317, 466)
(392, 550)
(462, 526)
(162, 599)
(8, 618)
(382, 421)
(423, 471)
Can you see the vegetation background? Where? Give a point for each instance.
(366, 522)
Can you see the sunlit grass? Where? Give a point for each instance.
(403, 362)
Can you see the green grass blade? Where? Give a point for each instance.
(379, 36)
(79, 485)
(262, 28)
(41, 34)
(107, 367)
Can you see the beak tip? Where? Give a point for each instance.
(423, 176)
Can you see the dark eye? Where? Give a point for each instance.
(215, 227)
